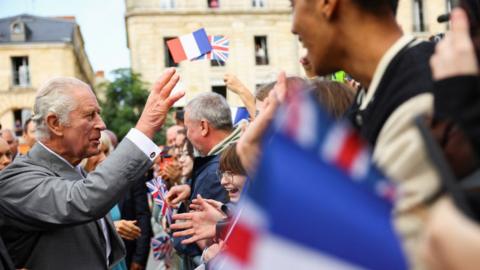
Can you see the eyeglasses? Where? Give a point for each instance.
(228, 175)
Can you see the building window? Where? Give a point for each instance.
(216, 63)
(20, 71)
(213, 3)
(220, 89)
(20, 116)
(258, 3)
(17, 28)
(167, 56)
(261, 51)
(418, 16)
(167, 4)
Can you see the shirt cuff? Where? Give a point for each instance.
(144, 143)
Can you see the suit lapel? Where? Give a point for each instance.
(52, 162)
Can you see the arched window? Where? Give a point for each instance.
(17, 28)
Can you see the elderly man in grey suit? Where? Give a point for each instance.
(56, 216)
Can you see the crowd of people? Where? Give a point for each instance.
(77, 198)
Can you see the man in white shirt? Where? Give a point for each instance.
(55, 215)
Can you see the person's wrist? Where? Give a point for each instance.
(145, 129)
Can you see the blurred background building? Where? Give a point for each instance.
(261, 43)
(420, 16)
(32, 50)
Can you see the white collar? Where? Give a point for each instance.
(60, 157)
(382, 66)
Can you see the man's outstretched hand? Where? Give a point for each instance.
(158, 103)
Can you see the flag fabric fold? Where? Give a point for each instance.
(158, 190)
(317, 201)
(190, 46)
(220, 49)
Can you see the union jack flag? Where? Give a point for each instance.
(161, 247)
(158, 190)
(220, 47)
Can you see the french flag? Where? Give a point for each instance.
(189, 46)
(308, 207)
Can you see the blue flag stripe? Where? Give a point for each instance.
(318, 206)
(202, 41)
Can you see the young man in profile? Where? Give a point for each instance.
(363, 38)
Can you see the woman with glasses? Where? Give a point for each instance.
(232, 173)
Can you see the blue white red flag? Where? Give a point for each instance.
(220, 49)
(158, 190)
(317, 202)
(189, 46)
(161, 247)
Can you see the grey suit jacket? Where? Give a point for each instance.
(51, 211)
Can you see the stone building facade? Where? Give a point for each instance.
(32, 50)
(261, 43)
(150, 23)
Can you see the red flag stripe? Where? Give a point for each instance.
(176, 49)
(349, 151)
(240, 243)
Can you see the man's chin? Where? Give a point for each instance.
(92, 152)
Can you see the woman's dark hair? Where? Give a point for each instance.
(189, 148)
(334, 96)
(230, 162)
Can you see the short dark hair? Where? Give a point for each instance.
(377, 7)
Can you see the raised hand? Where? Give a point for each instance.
(248, 147)
(179, 193)
(455, 54)
(158, 103)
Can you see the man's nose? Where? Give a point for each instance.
(100, 124)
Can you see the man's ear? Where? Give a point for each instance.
(204, 127)
(53, 124)
(328, 8)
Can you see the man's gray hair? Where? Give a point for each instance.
(212, 107)
(54, 96)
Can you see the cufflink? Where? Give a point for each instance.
(152, 155)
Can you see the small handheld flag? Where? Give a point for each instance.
(161, 247)
(189, 46)
(220, 49)
(159, 191)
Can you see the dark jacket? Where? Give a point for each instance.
(205, 181)
(5, 260)
(407, 75)
(458, 98)
(134, 206)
